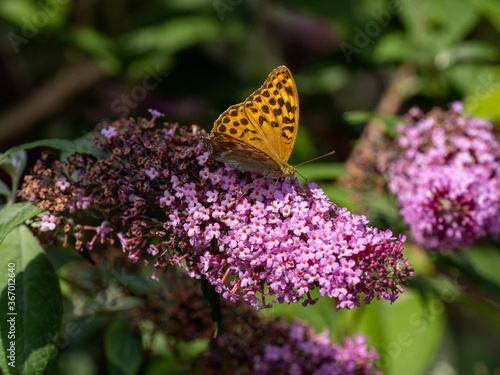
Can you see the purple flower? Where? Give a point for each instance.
(110, 132)
(288, 246)
(446, 177)
(152, 173)
(62, 184)
(48, 222)
(304, 352)
(155, 113)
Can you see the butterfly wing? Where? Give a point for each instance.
(240, 155)
(259, 134)
(274, 108)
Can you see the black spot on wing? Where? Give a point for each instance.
(287, 130)
(247, 131)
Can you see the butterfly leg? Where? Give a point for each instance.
(276, 183)
(251, 186)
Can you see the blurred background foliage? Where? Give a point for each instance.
(67, 65)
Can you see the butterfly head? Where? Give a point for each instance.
(287, 170)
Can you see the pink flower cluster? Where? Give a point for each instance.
(276, 238)
(305, 352)
(446, 177)
(162, 196)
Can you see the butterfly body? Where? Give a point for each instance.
(258, 135)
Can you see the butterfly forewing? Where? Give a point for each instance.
(275, 108)
(235, 123)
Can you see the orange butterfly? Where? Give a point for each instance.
(258, 135)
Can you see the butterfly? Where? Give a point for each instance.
(258, 135)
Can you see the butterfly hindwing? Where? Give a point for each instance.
(240, 155)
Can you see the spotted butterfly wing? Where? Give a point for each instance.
(258, 135)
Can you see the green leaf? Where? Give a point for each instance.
(172, 35)
(83, 142)
(467, 269)
(155, 46)
(484, 105)
(14, 164)
(15, 214)
(59, 144)
(338, 195)
(491, 12)
(123, 349)
(400, 330)
(4, 189)
(98, 45)
(327, 79)
(34, 289)
(474, 51)
(434, 26)
(389, 122)
(28, 14)
(468, 77)
(357, 117)
(393, 47)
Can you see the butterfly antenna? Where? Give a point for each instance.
(308, 161)
(307, 180)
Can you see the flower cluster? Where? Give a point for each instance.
(162, 196)
(249, 343)
(304, 352)
(446, 177)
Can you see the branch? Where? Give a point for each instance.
(51, 97)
